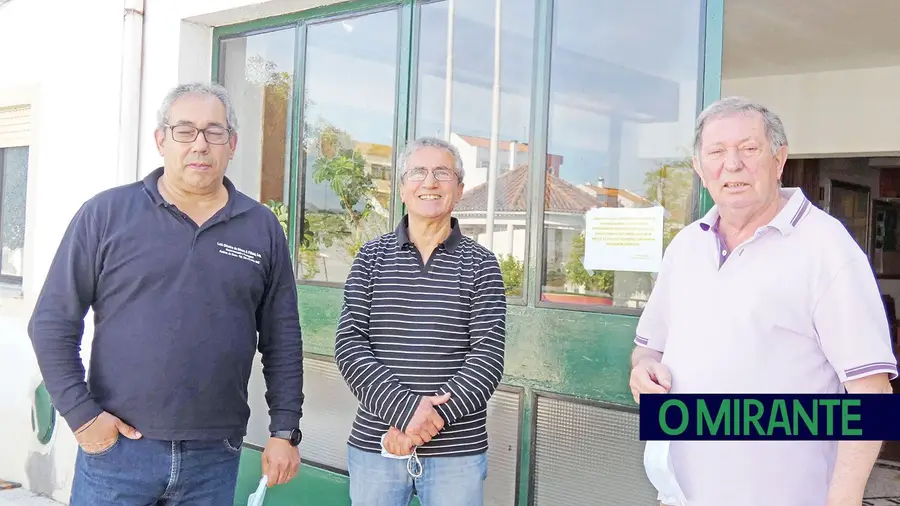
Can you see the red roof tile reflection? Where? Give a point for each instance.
(511, 194)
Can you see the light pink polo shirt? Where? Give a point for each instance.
(795, 309)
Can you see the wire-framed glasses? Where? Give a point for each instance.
(418, 174)
(213, 134)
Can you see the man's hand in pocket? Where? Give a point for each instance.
(102, 432)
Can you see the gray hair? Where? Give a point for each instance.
(431, 142)
(731, 106)
(197, 88)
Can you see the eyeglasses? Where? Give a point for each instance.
(419, 174)
(213, 134)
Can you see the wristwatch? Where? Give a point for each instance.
(293, 436)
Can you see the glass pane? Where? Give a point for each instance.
(850, 205)
(351, 67)
(14, 171)
(623, 98)
(489, 129)
(258, 72)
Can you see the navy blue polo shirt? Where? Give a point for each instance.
(177, 309)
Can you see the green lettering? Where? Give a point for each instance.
(662, 417)
(830, 404)
(811, 423)
(847, 417)
(737, 418)
(705, 420)
(752, 418)
(779, 418)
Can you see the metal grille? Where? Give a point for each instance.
(588, 455)
(328, 413)
(503, 441)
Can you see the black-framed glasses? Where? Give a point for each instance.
(213, 134)
(419, 174)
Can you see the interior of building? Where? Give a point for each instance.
(831, 69)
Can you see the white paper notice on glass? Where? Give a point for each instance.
(624, 239)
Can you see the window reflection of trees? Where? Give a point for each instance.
(621, 113)
(363, 216)
(670, 186)
(337, 163)
(13, 182)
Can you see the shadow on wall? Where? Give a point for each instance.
(40, 467)
(41, 472)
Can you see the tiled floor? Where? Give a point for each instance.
(884, 485)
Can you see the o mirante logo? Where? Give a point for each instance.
(769, 416)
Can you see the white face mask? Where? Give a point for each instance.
(257, 498)
(660, 472)
(413, 464)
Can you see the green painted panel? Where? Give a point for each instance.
(570, 352)
(43, 416)
(320, 308)
(311, 486)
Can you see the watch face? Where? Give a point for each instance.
(295, 437)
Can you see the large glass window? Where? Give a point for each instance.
(348, 138)
(611, 187)
(474, 90)
(618, 187)
(13, 183)
(258, 72)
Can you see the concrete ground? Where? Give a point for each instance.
(21, 497)
(883, 490)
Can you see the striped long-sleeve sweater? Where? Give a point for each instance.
(409, 330)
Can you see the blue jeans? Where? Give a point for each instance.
(445, 481)
(158, 473)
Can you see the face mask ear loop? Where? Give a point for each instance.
(414, 465)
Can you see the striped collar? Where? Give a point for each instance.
(450, 243)
(785, 221)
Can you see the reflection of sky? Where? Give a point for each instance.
(276, 47)
(350, 83)
(609, 55)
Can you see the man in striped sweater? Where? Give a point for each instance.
(421, 344)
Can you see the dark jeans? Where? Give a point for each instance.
(148, 472)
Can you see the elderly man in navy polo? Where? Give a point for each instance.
(765, 294)
(182, 271)
(421, 344)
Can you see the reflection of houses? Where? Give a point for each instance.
(614, 197)
(476, 157)
(378, 165)
(564, 204)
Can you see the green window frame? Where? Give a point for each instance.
(577, 352)
(405, 111)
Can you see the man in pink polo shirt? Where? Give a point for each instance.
(764, 294)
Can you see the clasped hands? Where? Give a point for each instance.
(425, 424)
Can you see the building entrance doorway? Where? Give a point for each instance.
(830, 69)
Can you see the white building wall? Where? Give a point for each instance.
(69, 74)
(66, 63)
(469, 155)
(838, 113)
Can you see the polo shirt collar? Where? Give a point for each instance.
(785, 221)
(450, 243)
(237, 202)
